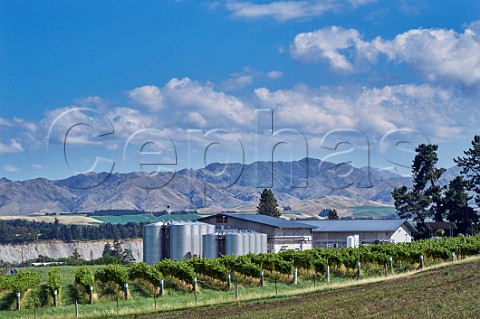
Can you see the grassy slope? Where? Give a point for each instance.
(446, 292)
(372, 211)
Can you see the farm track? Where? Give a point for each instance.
(445, 292)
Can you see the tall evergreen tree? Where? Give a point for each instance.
(332, 214)
(425, 198)
(456, 206)
(268, 204)
(470, 165)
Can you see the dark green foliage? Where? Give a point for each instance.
(425, 198)
(268, 204)
(20, 231)
(456, 206)
(332, 214)
(470, 165)
(116, 254)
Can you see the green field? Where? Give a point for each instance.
(375, 212)
(146, 218)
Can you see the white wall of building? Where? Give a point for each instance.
(401, 235)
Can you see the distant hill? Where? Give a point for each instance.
(307, 185)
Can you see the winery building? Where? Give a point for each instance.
(282, 234)
(334, 233)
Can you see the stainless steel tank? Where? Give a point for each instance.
(152, 243)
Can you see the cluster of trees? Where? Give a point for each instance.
(428, 199)
(122, 256)
(112, 254)
(20, 231)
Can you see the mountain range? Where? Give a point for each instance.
(308, 185)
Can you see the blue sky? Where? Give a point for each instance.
(195, 82)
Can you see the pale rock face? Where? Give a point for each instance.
(56, 249)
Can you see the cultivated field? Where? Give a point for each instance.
(449, 291)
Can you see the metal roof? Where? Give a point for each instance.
(265, 220)
(440, 225)
(358, 225)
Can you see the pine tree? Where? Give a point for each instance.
(425, 198)
(117, 249)
(268, 204)
(332, 214)
(470, 165)
(107, 250)
(456, 206)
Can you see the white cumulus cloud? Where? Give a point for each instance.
(438, 55)
(148, 95)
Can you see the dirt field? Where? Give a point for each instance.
(447, 292)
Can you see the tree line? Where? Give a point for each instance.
(21, 231)
(428, 199)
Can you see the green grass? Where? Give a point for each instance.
(372, 211)
(145, 218)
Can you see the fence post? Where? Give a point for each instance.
(359, 268)
(295, 276)
(236, 291)
(76, 309)
(195, 289)
(390, 261)
(162, 288)
(421, 261)
(262, 283)
(327, 273)
(125, 290)
(55, 293)
(386, 270)
(17, 294)
(229, 282)
(90, 300)
(453, 256)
